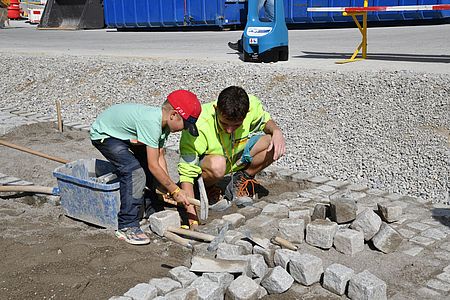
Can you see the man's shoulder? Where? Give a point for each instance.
(253, 99)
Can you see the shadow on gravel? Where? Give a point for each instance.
(381, 56)
(442, 215)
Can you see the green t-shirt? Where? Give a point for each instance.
(131, 121)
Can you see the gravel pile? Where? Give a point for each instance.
(388, 130)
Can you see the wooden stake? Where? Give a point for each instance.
(58, 113)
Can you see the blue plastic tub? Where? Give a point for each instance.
(143, 14)
(83, 197)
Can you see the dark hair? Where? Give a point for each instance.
(233, 103)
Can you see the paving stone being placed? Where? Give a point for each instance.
(275, 210)
(207, 289)
(222, 279)
(336, 278)
(182, 275)
(243, 288)
(164, 285)
(343, 209)
(367, 222)
(320, 233)
(142, 291)
(161, 220)
(277, 280)
(189, 293)
(122, 298)
(390, 212)
(306, 269)
(367, 286)
(235, 220)
(387, 239)
(292, 230)
(349, 241)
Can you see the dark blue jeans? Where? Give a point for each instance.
(131, 164)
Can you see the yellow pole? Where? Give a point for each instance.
(363, 30)
(364, 34)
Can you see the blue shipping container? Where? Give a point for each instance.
(226, 13)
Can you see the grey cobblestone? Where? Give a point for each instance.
(413, 251)
(318, 179)
(418, 226)
(438, 285)
(422, 240)
(434, 233)
(337, 183)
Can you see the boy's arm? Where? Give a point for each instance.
(277, 142)
(162, 160)
(156, 168)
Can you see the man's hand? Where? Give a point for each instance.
(181, 197)
(278, 144)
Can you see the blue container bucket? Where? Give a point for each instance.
(85, 194)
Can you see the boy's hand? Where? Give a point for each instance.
(181, 197)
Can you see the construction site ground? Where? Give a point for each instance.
(47, 255)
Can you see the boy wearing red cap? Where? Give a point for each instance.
(131, 136)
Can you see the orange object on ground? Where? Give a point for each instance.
(14, 9)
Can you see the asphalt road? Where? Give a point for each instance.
(415, 48)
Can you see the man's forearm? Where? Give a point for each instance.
(271, 127)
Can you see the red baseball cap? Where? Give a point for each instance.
(188, 107)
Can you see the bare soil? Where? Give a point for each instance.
(47, 255)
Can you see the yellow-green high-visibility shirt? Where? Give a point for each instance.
(214, 140)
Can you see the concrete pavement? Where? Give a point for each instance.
(415, 48)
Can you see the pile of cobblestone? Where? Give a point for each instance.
(248, 264)
(387, 130)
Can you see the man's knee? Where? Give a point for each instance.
(214, 166)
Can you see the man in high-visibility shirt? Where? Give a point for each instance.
(236, 135)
